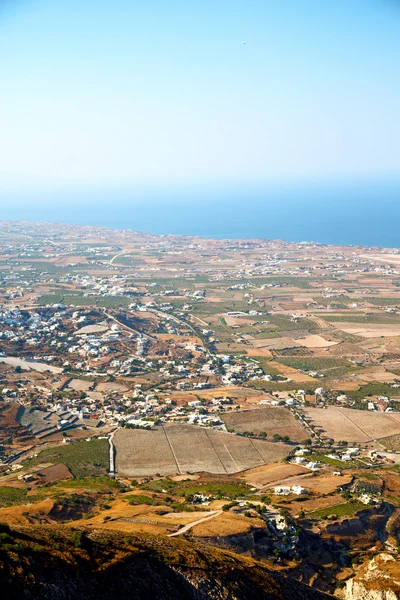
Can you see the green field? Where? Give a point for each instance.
(77, 300)
(11, 495)
(314, 363)
(373, 318)
(84, 459)
(347, 509)
(189, 488)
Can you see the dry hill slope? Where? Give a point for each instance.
(60, 563)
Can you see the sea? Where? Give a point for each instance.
(345, 213)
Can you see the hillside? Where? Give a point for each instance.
(53, 563)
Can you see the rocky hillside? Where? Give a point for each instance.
(378, 579)
(63, 563)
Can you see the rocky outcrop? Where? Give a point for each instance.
(378, 579)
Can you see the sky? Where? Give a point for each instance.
(164, 92)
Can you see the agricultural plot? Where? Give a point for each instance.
(357, 426)
(177, 449)
(370, 330)
(141, 452)
(271, 420)
(270, 474)
(83, 459)
(392, 443)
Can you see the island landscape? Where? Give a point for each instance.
(239, 396)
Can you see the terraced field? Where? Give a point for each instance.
(176, 449)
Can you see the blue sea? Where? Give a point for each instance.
(366, 214)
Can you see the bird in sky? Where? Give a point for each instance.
(244, 43)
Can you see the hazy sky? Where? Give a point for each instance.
(134, 91)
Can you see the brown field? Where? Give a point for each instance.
(354, 425)
(275, 343)
(238, 395)
(140, 518)
(54, 473)
(178, 339)
(315, 341)
(272, 420)
(177, 449)
(376, 374)
(80, 385)
(258, 352)
(391, 443)
(314, 504)
(19, 515)
(369, 331)
(324, 484)
(111, 387)
(290, 372)
(267, 474)
(227, 523)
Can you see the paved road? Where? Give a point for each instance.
(193, 523)
(128, 327)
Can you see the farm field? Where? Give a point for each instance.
(176, 449)
(357, 426)
(269, 474)
(82, 458)
(274, 420)
(370, 330)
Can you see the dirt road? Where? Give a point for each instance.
(193, 523)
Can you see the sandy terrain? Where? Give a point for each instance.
(387, 258)
(315, 341)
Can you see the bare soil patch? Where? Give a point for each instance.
(272, 419)
(353, 425)
(315, 341)
(267, 474)
(175, 449)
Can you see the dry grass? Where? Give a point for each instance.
(227, 523)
